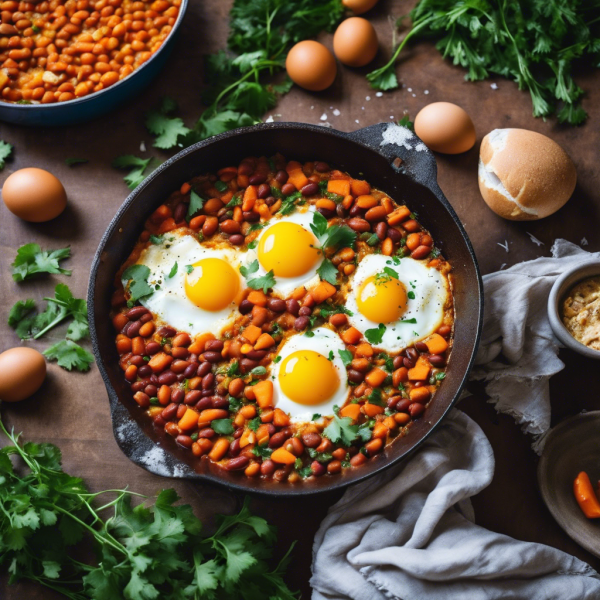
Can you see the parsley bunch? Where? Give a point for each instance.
(141, 553)
(534, 43)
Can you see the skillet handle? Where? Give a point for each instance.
(395, 142)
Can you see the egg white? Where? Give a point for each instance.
(429, 287)
(170, 302)
(284, 286)
(324, 341)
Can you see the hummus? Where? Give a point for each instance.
(581, 312)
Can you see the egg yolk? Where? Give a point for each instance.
(382, 299)
(308, 377)
(288, 250)
(212, 285)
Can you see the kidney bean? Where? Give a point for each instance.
(234, 447)
(214, 345)
(393, 401)
(180, 212)
(264, 190)
(271, 429)
(146, 381)
(270, 200)
(292, 306)
(237, 240)
(257, 355)
(192, 397)
(208, 382)
(184, 440)
(169, 412)
(153, 379)
(151, 390)
(172, 429)
(204, 403)
(236, 464)
(398, 362)
(311, 439)
(247, 365)
(137, 386)
(288, 188)
(210, 226)
(181, 410)
(310, 189)
(250, 216)
(355, 211)
(381, 230)
(166, 331)
(295, 446)
(245, 307)
(230, 226)
(418, 384)
(133, 329)
(359, 225)
(152, 348)
(394, 235)
(409, 364)
(335, 466)
(358, 459)
(421, 347)
(276, 305)
(355, 376)
(219, 402)
(420, 252)
(257, 179)
(281, 177)
(338, 320)
(416, 410)
(224, 215)
(190, 371)
(207, 433)
(179, 366)
(341, 212)
(167, 378)
(305, 311)
(321, 167)
(317, 468)
(158, 421)
(177, 395)
(213, 357)
(281, 474)
(267, 467)
(412, 354)
(437, 360)
(301, 323)
(238, 433)
(245, 168)
(277, 439)
(133, 314)
(137, 360)
(204, 369)
(144, 371)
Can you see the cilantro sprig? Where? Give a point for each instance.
(264, 283)
(136, 166)
(31, 260)
(136, 279)
(341, 430)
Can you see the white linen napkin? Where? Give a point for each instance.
(518, 352)
(409, 534)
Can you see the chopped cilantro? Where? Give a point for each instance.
(156, 239)
(411, 295)
(346, 356)
(195, 206)
(31, 260)
(375, 336)
(222, 426)
(258, 371)
(220, 186)
(341, 430)
(189, 268)
(173, 271)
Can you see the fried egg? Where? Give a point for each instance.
(410, 306)
(289, 248)
(202, 293)
(310, 377)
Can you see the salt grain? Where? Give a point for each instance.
(379, 94)
(368, 98)
(336, 113)
(426, 92)
(269, 119)
(357, 121)
(323, 117)
(409, 90)
(494, 86)
(583, 242)
(414, 95)
(142, 147)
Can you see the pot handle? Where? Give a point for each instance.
(403, 149)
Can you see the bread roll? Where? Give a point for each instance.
(524, 175)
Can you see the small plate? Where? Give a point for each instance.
(572, 447)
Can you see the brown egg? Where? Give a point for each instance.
(22, 372)
(311, 65)
(355, 42)
(358, 7)
(34, 195)
(445, 127)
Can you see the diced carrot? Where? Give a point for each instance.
(420, 394)
(226, 197)
(375, 377)
(400, 214)
(308, 300)
(210, 414)
(351, 335)
(280, 419)
(167, 225)
(366, 202)
(364, 349)
(227, 173)
(189, 420)
(360, 188)
(348, 201)
(436, 344)
(199, 344)
(586, 496)
(298, 293)
(266, 416)
(262, 434)
(248, 437)
(372, 409)
(250, 196)
(219, 449)
(263, 391)
(264, 341)
(390, 423)
(402, 418)
(350, 410)
(194, 383)
(159, 362)
(293, 165)
(282, 456)
(252, 333)
(298, 178)
(238, 214)
(322, 291)
(264, 212)
(246, 348)
(420, 372)
(339, 186)
(257, 297)
(434, 262)
(380, 430)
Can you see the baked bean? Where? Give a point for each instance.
(264, 191)
(204, 403)
(230, 226)
(394, 235)
(257, 179)
(288, 188)
(208, 381)
(256, 355)
(136, 312)
(167, 378)
(338, 320)
(437, 360)
(358, 459)
(409, 364)
(133, 329)
(310, 189)
(219, 402)
(311, 440)
(245, 307)
(144, 371)
(192, 397)
(359, 225)
(190, 370)
(204, 369)
(234, 447)
(210, 226)
(237, 239)
(277, 439)
(416, 410)
(335, 466)
(213, 357)
(403, 404)
(281, 177)
(236, 387)
(267, 467)
(444, 330)
(325, 446)
(305, 311)
(168, 413)
(301, 323)
(180, 212)
(292, 306)
(377, 213)
(381, 230)
(250, 216)
(166, 332)
(421, 252)
(142, 399)
(412, 354)
(184, 440)
(321, 167)
(237, 464)
(131, 373)
(421, 347)
(276, 304)
(355, 376)
(317, 468)
(177, 395)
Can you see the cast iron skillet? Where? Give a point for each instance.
(390, 158)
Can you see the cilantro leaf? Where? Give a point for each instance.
(258, 371)
(173, 271)
(250, 269)
(327, 271)
(221, 186)
(346, 356)
(137, 167)
(234, 369)
(135, 277)
(333, 237)
(341, 430)
(5, 151)
(31, 259)
(195, 206)
(265, 282)
(391, 272)
(69, 355)
(71, 162)
(222, 426)
(166, 127)
(375, 336)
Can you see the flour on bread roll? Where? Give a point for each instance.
(524, 175)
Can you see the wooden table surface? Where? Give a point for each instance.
(71, 409)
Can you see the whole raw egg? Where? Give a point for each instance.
(355, 42)
(34, 195)
(22, 372)
(311, 66)
(358, 7)
(445, 128)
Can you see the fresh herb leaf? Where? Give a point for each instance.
(254, 423)
(262, 451)
(341, 430)
(222, 426)
(258, 371)
(388, 360)
(31, 259)
(5, 151)
(235, 201)
(346, 356)
(364, 432)
(413, 320)
(234, 369)
(406, 122)
(221, 186)
(439, 376)
(375, 397)
(411, 295)
(391, 272)
(321, 457)
(189, 268)
(277, 359)
(71, 162)
(250, 269)
(135, 277)
(252, 244)
(173, 271)
(137, 167)
(375, 336)
(195, 206)
(156, 239)
(69, 355)
(315, 417)
(328, 272)
(265, 282)
(162, 124)
(333, 237)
